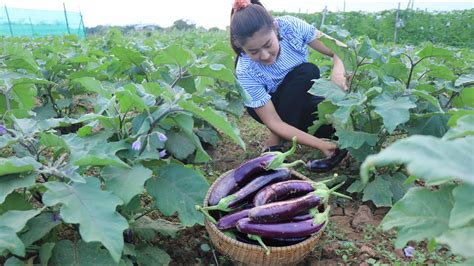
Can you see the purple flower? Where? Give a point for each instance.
(137, 145)
(162, 137)
(3, 130)
(162, 153)
(409, 251)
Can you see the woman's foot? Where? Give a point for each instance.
(327, 164)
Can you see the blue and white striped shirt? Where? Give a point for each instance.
(261, 80)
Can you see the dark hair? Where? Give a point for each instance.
(245, 22)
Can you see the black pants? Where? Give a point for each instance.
(294, 104)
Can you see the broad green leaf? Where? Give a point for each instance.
(174, 54)
(20, 58)
(464, 127)
(126, 183)
(465, 80)
(152, 256)
(216, 119)
(427, 157)
(93, 209)
(94, 150)
(15, 201)
(17, 219)
(356, 187)
(342, 114)
(434, 125)
(327, 89)
(129, 101)
(52, 140)
(397, 185)
(85, 254)
(348, 57)
(325, 109)
(128, 55)
(456, 114)
(421, 214)
(14, 261)
(186, 123)
(92, 85)
(379, 192)
(147, 228)
(367, 50)
(38, 227)
(464, 99)
(179, 145)
(395, 68)
(9, 183)
(10, 241)
(178, 189)
(15, 165)
(442, 72)
(428, 97)
(430, 51)
(7, 140)
(462, 212)
(355, 139)
(459, 240)
(45, 253)
(215, 71)
(393, 111)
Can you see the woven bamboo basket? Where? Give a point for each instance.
(243, 253)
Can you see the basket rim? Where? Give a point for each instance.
(210, 226)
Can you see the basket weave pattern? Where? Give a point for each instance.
(254, 254)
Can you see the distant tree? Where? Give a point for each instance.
(182, 24)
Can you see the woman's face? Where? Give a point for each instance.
(263, 46)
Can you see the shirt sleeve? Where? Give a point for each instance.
(259, 96)
(303, 29)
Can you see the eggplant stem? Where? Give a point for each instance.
(341, 195)
(222, 205)
(336, 187)
(206, 213)
(259, 240)
(289, 165)
(280, 156)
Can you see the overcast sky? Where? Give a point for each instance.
(208, 13)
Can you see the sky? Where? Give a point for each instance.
(209, 13)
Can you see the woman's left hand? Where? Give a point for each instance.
(340, 80)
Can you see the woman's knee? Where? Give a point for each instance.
(308, 70)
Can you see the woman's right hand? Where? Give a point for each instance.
(328, 149)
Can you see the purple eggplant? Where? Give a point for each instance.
(284, 210)
(282, 190)
(246, 171)
(230, 220)
(243, 195)
(327, 164)
(279, 230)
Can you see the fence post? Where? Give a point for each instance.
(31, 25)
(67, 22)
(324, 16)
(396, 25)
(83, 26)
(9, 22)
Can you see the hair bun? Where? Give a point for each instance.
(240, 4)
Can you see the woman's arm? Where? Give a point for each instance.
(272, 120)
(338, 71)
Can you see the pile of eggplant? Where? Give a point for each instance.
(261, 202)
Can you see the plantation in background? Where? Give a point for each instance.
(99, 134)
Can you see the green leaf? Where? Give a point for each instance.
(52, 140)
(46, 252)
(464, 99)
(16, 220)
(14, 261)
(356, 187)
(442, 72)
(430, 51)
(465, 80)
(128, 55)
(462, 212)
(379, 192)
(395, 68)
(355, 139)
(393, 111)
(459, 240)
(421, 214)
(95, 150)
(93, 209)
(10, 241)
(92, 85)
(7, 140)
(84, 254)
(147, 228)
(174, 54)
(126, 183)
(348, 57)
(217, 120)
(15, 201)
(15, 165)
(464, 127)
(397, 185)
(433, 125)
(327, 89)
(129, 101)
(179, 145)
(216, 71)
(37, 228)
(456, 114)
(152, 256)
(325, 109)
(428, 97)
(427, 157)
(186, 123)
(178, 189)
(9, 183)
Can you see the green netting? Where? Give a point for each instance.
(29, 22)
